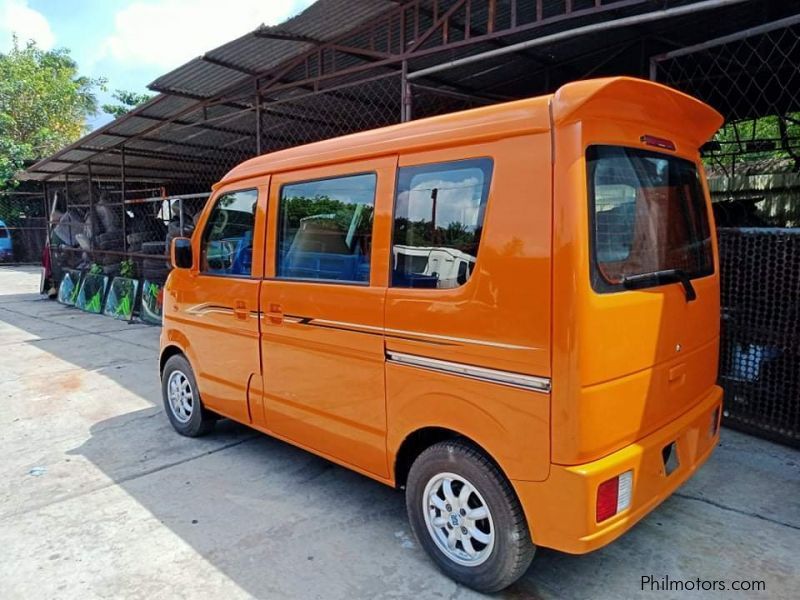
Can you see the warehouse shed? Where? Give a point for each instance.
(343, 66)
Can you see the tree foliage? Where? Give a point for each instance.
(126, 102)
(766, 143)
(44, 105)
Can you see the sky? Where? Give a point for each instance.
(132, 42)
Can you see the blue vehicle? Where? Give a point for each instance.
(6, 248)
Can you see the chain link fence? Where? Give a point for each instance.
(156, 170)
(23, 227)
(102, 225)
(753, 165)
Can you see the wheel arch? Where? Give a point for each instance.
(168, 352)
(419, 440)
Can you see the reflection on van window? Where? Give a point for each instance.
(437, 222)
(227, 246)
(649, 214)
(325, 228)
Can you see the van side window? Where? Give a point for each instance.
(438, 218)
(325, 228)
(227, 244)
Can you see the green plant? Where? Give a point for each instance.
(126, 102)
(95, 269)
(127, 268)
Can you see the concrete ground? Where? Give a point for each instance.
(99, 498)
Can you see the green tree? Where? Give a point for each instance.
(757, 142)
(126, 102)
(44, 105)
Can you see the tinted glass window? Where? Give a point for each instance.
(227, 246)
(325, 228)
(649, 214)
(3, 232)
(438, 218)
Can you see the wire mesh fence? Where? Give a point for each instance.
(760, 345)
(755, 76)
(101, 225)
(753, 164)
(23, 226)
(339, 108)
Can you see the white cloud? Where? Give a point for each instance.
(457, 201)
(16, 17)
(167, 33)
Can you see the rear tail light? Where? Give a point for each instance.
(614, 496)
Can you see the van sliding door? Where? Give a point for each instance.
(322, 306)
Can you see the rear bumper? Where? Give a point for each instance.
(561, 510)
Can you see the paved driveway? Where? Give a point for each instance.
(100, 499)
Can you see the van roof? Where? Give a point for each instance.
(597, 98)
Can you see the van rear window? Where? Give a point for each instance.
(648, 215)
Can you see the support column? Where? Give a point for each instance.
(92, 220)
(258, 119)
(406, 97)
(122, 200)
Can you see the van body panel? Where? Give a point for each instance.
(499, 318)
(219, 315)
(452, 130)
(350, 368)
(623, 353)
(511, 424)
(615, 99)
(561, 510)
(322, 342)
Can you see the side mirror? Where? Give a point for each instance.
(181, 253)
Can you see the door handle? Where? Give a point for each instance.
(240, 310)
(275, 314)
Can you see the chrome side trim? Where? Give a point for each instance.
(419, 334)
(447, 338)
(518, 380)
(206, 308)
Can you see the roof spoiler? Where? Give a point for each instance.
(637, 100)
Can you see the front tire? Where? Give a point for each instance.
(182, 399)
(467, 517)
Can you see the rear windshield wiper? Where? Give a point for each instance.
(645, 280)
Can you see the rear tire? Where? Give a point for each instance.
(182, 401)
(480, 537)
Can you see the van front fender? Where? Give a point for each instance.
(174, 339)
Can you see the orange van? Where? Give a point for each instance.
(511, 312)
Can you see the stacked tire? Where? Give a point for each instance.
(136, 239)
(157, 268)
(109, 241)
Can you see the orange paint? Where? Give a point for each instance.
(324, 364)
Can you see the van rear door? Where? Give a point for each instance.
(639, 321)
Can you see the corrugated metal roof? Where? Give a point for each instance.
(183, 121)
(205, 77)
